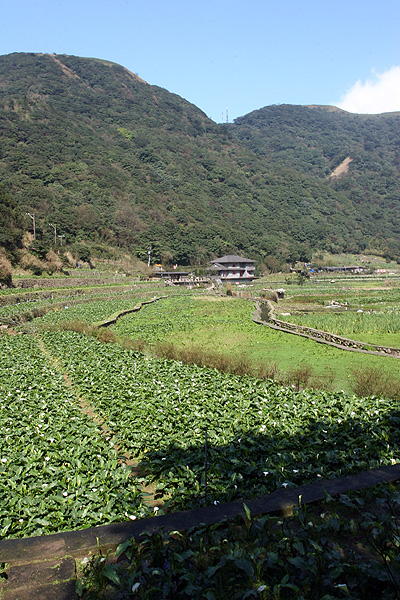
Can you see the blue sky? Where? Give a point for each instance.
(241, 54)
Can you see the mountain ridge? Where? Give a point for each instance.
(333, 108)
(110, 158)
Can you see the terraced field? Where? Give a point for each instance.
(76, 413)
(57, 470)
(56, 386)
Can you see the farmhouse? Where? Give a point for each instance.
(175, 276)
(233, 268)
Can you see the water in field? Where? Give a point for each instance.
(264, 312)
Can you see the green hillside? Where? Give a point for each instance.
(89, 146)
(315, 140)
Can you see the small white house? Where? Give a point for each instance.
(233, 268)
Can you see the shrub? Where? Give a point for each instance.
(135, 345)
(372, 381)
(31, 263)
(69, 259)
(5, 271)
(103, 335)
(54, 262)
(269, 371)
(300, 377)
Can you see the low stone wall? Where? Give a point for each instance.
(323, 337)
(113, 318)
(63, 282)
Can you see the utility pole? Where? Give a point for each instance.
(55, 233)
(34, 223)
(61, 237)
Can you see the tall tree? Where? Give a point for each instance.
(11, 223)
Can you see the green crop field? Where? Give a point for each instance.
(262, 436)
(57, 386)
(76, 413)
(57, 471)
(224, 325)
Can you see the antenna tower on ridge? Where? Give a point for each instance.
(227, 119)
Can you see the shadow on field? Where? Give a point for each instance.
(256, 463)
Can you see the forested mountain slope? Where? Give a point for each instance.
(315, 140)
(89, 146)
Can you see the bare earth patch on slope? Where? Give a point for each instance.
(342, 169)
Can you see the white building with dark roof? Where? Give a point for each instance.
(233, 268)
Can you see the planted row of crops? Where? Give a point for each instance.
(261, 435)
(8, 311)
(184, 314)
(98, 309)
(346, 548)
(57, 471)
(90, 312)
(11, 313)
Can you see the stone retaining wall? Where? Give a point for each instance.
(323, 337)
(113, 318)
(64, 282)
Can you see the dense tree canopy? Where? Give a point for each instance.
(11, 230)
(315, 140)
(89, 146)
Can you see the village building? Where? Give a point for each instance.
(181, 278)
(233, 268)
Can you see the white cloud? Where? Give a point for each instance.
(378, 95)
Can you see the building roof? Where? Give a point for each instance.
(166, 273)
(231, 258)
